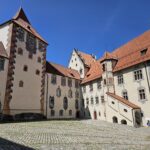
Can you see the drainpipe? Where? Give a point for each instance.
(145, 66)
(46, 95)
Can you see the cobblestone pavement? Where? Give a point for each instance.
(72, 135)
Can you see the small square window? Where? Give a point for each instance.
(37, 72)
(30, 55)
(25, 68)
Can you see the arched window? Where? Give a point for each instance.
(58, 92)
(70, 112)
(65, 103)
(20, 83)
(124, 122)
(70, 93)
(51, 102)
(115, 119)
(77, 94)
(76, 104)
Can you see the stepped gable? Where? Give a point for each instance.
(62, 70)
(3, 52)
(122, 100)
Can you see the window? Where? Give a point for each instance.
(70, 93)
(51, 102)
(69, 82)
(53, 79)
(20, 34)
(120, 79)
(125, 110)
(76, 104)
(61, 113)
(63, 81)
(102, 99)
(41, 46)
(138, 74)
(92, 101)
(97, 99)
(2, 63)
(104, 67)
(76, 94)
(0, 107)
(20, 83)
(65, 103)
(52, 112)
(91, 87)
(125, 94)
(84, 89)
(105, 82)
(82, 102)
(143, 52)
(39, 60)
(31, 43)
(87, 101)
(70, 112)
(25, 68)
(76, 65)
(81, 71)
(99, 84)
(37, 72)
(113, 102)
(142, 95)
(20, 51)
(30, 55)
(58, 92)
(76, 84)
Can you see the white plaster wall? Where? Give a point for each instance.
(4, 30)
(3, 79)
(26, 98)
(76, 64)
(99, 108)
(59, 100)
(132, 88)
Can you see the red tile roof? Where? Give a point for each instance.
(126, 102)
(65, 71)
(108, 56)
(94, 73)
(130, 53)
(87, 59)
(3, 51)
(21, 19)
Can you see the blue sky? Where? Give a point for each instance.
(92, 26)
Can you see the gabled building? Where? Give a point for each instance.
(25, 70)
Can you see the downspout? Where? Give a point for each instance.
(145, 66)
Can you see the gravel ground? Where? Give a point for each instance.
(72, 135)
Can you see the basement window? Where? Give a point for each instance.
(143, 52)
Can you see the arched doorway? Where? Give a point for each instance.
(78, 114)
(115, 119)
(95, 115)
(124, 122)
(138, 118)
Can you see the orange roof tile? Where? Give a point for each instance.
(65, 71)
(126, 102)
(94, 73)
(86, 58)
(2, 50)
(108, 56)
(130, 53)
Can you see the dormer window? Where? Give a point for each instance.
(143, 52)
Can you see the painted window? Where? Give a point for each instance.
(2, 63)
(53, 79)
(70, 93)
(20, 51)
(21, 83)
(138, 75)
(125, 94)
(51, 102)
(76, 84)
(52, 112)
(69, 82)
(97, 100)
(63, 81)
(20, 34)
(142, 95)
(65, 103)
(61, 112)
(120, 79)
(58, 92)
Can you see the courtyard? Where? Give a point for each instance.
(72, 135)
